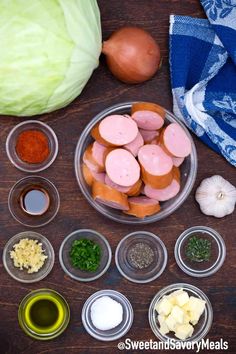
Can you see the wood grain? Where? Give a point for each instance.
(102, 91)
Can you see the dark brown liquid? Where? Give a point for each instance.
(35, 201)
(44, 313)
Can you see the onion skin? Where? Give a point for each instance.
(132, 55)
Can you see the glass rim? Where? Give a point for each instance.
(51, 184)
(128, 219)
(49, 336)
(220, 257)
(156, 240)
(39, 237)
(123, 301)
(50, 161)
(92, 278)
(188, 287)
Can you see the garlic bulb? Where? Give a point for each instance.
(216, 196)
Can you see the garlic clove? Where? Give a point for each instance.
(216, 196)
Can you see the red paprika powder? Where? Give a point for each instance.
(32, 146)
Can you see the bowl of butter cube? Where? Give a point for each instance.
(180, 312)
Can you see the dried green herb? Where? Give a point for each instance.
(198, 249)
(85, 254)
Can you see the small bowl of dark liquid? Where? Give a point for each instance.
(44, 314)
(34, 201)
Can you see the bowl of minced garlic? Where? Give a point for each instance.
(28, 257)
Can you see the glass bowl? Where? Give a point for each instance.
(75, 273)
(115, 333)
(200, 329)
(188, 171)
(124, 262)
(205, 268)
(11, 146)
(43, 333)
(22, 275)
(15, 205)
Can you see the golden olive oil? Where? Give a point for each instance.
(44, 314)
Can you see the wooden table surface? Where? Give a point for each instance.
(102, 91)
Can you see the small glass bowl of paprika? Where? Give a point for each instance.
(32, 146)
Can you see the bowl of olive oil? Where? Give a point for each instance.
(44, 314)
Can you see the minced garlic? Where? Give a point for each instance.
(28, 254)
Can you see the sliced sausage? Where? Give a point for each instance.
(91, 176)
(156, 166)
(142, 206)
(135, 190)
(163, 194)
(116, 186)
(89, 161)
(122, 167)
(88, 177)
(175, 141)
(135, 145)
(115, 130)
(99, 153)
(109, 196)
(148, 120)
(176, 173)
(177, 161)
(148, 106)
(130, 191)
(148, 135)
(97, 137)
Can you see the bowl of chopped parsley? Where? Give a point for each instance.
(85, 255)
(200, 251)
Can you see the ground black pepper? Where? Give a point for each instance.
(141, 255)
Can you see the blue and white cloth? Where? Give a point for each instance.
(203, 74)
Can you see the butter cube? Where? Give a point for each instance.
(187, 318)
(181, 298)
(183, 331)
(172, 297)
(196, 304)
(196, 308)
(178, 314)
(171, 323)
(163, 326)
(185, 307)
(164, 306)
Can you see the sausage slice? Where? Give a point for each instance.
(91, 176)
(109, 196)
(156, 166)
(148, 106)
(165, 193)
(115, 130)
(148, 120)
(175, 141)
(122, 167)
(148, 135)
(142, 206)
(135, 145)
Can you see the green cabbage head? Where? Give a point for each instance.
(48, 51)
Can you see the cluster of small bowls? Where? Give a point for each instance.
(14, 194)
(138, 276)
(188, 173)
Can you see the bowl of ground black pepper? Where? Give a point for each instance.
(32, 146)
(141, 257)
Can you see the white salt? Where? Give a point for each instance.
(106, 313)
